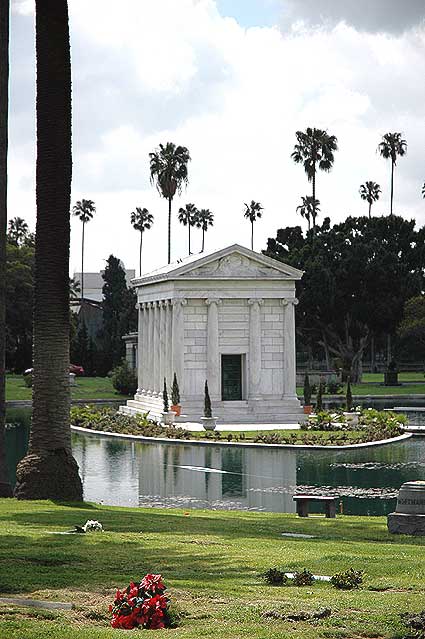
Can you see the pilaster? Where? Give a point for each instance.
(213, 364)
(289, 355)
(254, 390)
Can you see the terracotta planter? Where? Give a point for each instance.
(308, 409)
(177, 409)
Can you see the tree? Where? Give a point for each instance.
(20, 290)
(370, 191)
(253, 213)
(412, 326)
(314, 150)
(84, 210)
(204, 219)
(18, 231)
(5, 488)
(357, 277)
(188, 216)
(390, 148)
(119, 312)
(142, 221)
(49, 471)
(168, 169)
(309, 209)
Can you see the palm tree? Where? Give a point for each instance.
(49, 471)
(204, 219)
(315, 150)
(142, 221)
(187, 217)
(253, 213)
(391, 146)
(369, 191)
(309, 209)
(17, 231)
(84, 210)
(168, 169)
(5, 488)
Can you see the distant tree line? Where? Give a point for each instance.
(358, 276)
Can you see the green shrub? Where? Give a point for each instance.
(175, 392)
(28, 380)
(303, 578)
(307, 391)
(165, 397)
(275, 577)
(319, 398)
(348, 579)
(109, 421)
(207, 402)
(333, 387)
(124, 379)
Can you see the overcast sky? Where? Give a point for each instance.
(232, 80)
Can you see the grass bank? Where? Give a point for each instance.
(211, 562)
(85, 388)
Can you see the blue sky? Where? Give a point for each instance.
(250, 13)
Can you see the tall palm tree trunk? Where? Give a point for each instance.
(49, 471)
(82, 264)
(140, 253)
(392, 187)
(190, 252)
(252, 235)
(370, 209)
(314, 198)
(203, 240)
(5, 488)
(169, 230)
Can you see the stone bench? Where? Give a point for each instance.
(302, 502)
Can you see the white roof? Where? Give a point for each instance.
(232, 262)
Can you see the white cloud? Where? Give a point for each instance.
(159, 70)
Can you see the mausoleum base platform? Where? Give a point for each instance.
(273, 411)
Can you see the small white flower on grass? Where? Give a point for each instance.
(92, 525)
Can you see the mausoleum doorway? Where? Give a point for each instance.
(231, 378)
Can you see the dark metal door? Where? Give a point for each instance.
(231, 378)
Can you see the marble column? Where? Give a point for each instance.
(150, 350)
(178, 340)
(157, 387)
(213, 364)
(168, 343)
(254, 348)
(140, 350)
(163, 343)
(289, 355)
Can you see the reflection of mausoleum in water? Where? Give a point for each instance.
(228, 318)
(217, 476)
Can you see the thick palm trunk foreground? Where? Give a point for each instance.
(5, 487)
(49, 470)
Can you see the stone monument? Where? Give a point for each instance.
(409, 515)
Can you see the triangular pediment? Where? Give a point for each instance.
(233, 262)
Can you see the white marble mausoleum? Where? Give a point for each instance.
(226, 317)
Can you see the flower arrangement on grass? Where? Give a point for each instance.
(141, 605)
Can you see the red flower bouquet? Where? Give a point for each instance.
(142, 604)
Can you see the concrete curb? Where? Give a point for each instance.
(203, 442)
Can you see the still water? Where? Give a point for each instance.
(125, 473)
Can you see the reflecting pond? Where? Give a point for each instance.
(126, 473)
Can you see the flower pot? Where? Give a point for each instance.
(177, 409)
(168, 417)
(352, 418)
(308, 409)
(209, 423)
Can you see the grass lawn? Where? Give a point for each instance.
(211, 562)
(85, 388)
